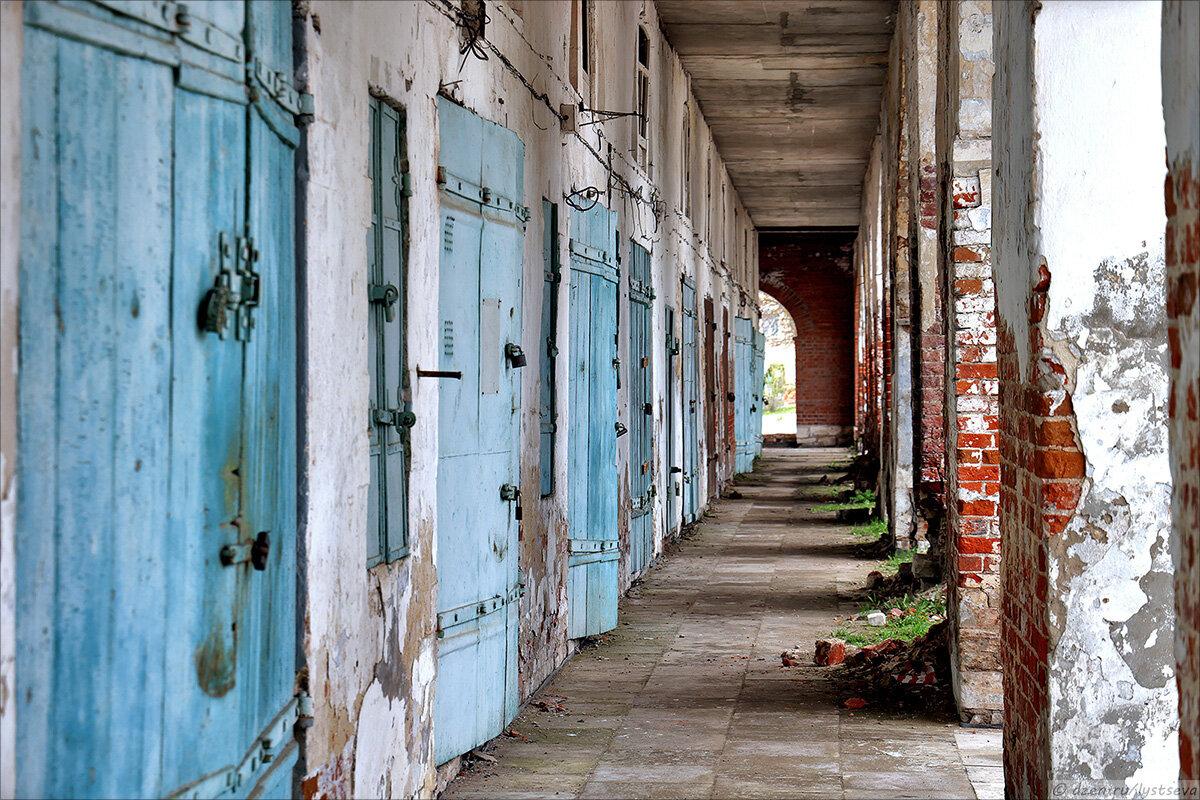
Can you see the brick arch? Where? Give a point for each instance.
(810, 276)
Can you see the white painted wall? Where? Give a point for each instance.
(1085, 126)
(361, 626)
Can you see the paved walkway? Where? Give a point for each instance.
(687, 697)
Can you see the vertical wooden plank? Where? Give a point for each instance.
(94, 403)
(267, 670)
(202, 658)
(38, 537)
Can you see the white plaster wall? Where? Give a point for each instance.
(1098, 224)
(11, 40)
(369, 636)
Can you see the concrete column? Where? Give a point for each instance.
(971, 540)
(1181, 108)
(1088, 616)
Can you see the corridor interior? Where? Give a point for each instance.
(688, 698)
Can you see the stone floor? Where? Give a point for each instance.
(687, 697)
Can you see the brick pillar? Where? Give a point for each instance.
(929, 336)
(1078, 260)
(1181, 106)
(972, 539)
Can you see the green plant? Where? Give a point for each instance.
(891, 565)
(872, 529)
(919, 614)
(864, 498)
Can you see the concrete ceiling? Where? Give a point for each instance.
(791, 90)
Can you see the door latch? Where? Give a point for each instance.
(385, 295)
(235, 291)
(515, 355)
(255, 552)
(396, 417)
(509, 492)
(648, 409)
(621, 430)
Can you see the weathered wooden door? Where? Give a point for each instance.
(481, 168)
(691, 414)
(711, 404)
(758, 356)
(744, 367)
(157, 518)
(591, 449)
(641, 410)
(674, 480)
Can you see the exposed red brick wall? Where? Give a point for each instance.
(1183, 334)
(931, 363)
(1042, 471)
(811, 275)
(972, 540)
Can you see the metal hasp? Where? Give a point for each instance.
(398, 418)
(256, 552)
(385, 295)
(510, 492)
(235, 292)
(515, 355)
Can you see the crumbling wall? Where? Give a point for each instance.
(1078, 257)
(971, 540)
(927, 337)
(1181, 103)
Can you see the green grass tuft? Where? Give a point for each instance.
(863, 498)
(872, 529)
(911, 626)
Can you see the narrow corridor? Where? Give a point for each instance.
(687, 697)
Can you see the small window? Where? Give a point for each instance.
(641, 148)
(389, 416)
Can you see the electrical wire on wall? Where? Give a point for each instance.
(472, 23)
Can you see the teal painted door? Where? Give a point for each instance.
(481, 166)
(591, 448)
(156, 642)
(674, 481)
(641, 410)
(691, 411)
(758, 376)
(744, 420)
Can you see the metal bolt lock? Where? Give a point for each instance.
(621, 430)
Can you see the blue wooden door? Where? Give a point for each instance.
(591, 450)
(744, 389)
(481, 168)
(157, 402)
(674, 481)
(758, 376)
(641, 410)
(691, 412)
